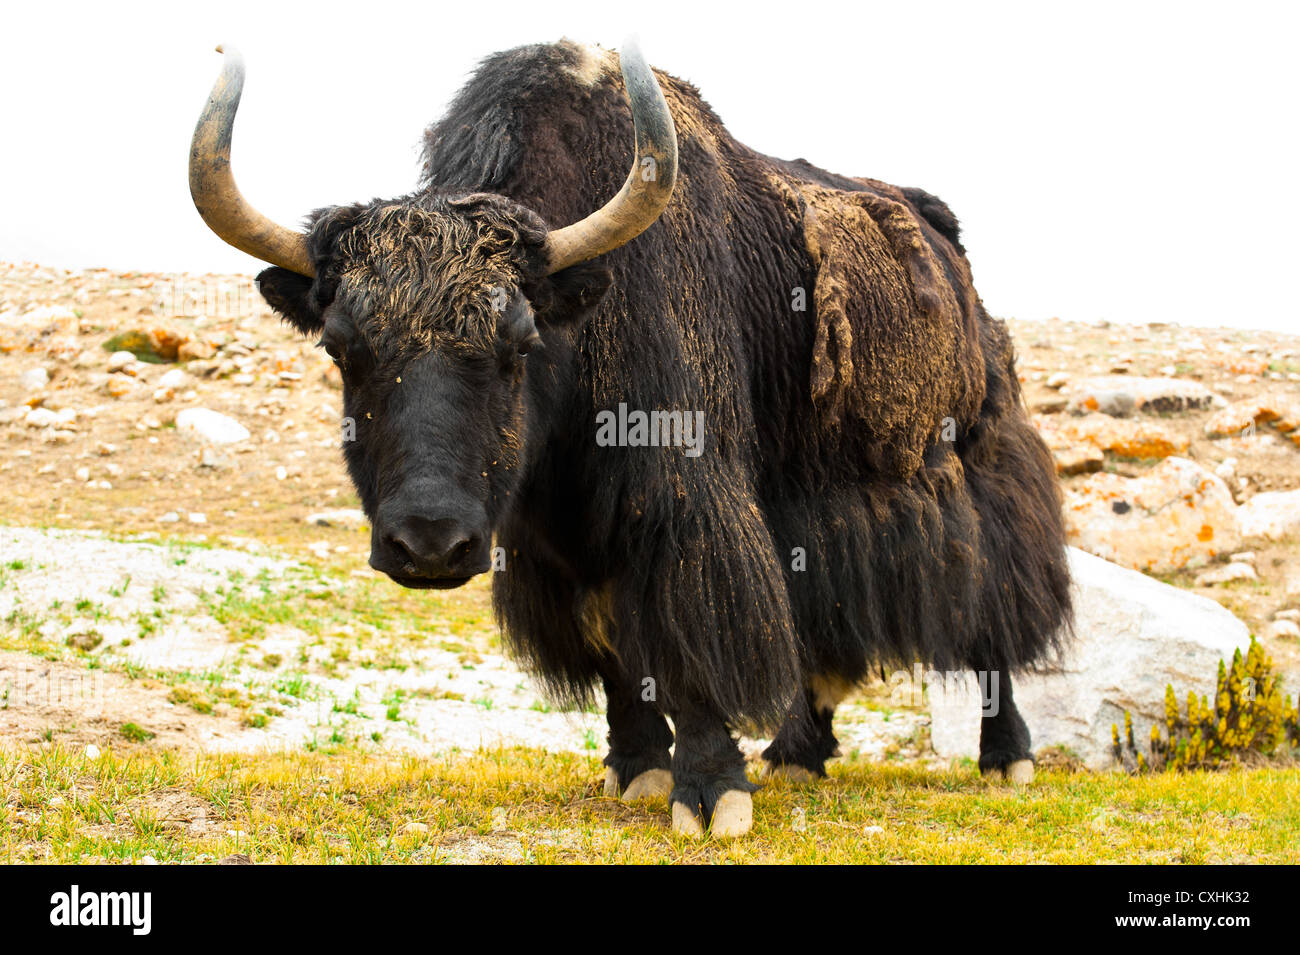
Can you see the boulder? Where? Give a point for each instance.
(1242, 419)
(1122, 395)
(211, 426)
(1127, 438)
(1176, 515)
(1270, 515)
(1133, 636)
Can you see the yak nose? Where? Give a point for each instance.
(430, 548)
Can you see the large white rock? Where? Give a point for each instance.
(211, 426)
(1133, 637)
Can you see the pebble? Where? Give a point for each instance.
(35, 379)
(1284, 630)
(41, 418)
(211, 426)
(1226, 574)
(120, 360)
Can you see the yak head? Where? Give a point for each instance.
(430, 305)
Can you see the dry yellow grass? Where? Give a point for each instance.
(520, 805)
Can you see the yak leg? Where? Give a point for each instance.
(709, 783)
(1004, 737)
(638, 761)
(806, 739)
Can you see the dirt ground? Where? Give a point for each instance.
(163, 592)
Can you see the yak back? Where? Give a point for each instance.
(821, 299)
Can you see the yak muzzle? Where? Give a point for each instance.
(422, 551)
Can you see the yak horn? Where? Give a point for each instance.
(649, 185)
(212, 184)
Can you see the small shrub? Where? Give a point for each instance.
(136, 733)
(1250, 719)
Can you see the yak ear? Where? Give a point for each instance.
(572, 294)
(301, 301)
(290, 295)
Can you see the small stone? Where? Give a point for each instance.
(1287, 615)
(1284, 630)
(281, 473)
(1053, 405)
(34, 379)
(1226, 574)
(82, 474)
(873, 830)
(196, 517)
(104, 450)
(120, 360)
(195, 350)
(213, 459)
(346, 518)
(92, 751)
(1242, 557)
(211, 426)
(41, 418)
(170, 517)
(173, 379)
(1057, 381)
(86, 641)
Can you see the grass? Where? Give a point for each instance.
(525, 805)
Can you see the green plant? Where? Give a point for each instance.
(136, 733)
(1249, 719)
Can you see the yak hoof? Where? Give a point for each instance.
(733, 815)
(1018, 773)
(1021, 772)
(686, 821)
(789, 771)
(652, 784)
(611, 782)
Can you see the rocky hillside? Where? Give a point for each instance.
(180, 409)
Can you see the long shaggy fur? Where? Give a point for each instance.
(825, 426)
(860, 408)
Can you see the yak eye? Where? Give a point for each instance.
(332, 349)
(531, 343)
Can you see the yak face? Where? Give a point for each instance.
(430, 308)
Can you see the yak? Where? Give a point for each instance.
(861, 486)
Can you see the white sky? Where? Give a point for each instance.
(1128, 161)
